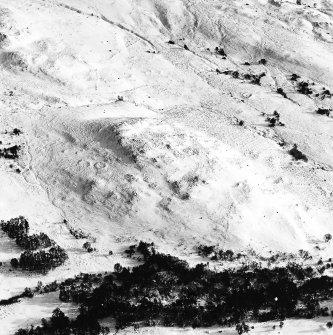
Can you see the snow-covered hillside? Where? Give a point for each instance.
(135, 127)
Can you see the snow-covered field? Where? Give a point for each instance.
(129, 137)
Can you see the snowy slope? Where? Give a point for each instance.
(168, 162)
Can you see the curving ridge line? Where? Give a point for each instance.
(119, 25)
(105, 19)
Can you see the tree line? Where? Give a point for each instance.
(166, 291)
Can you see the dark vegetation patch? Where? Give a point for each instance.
(274, 120)
(15, 227)
(294, 77)
(41, 260)
(167, 291)
(220, 52)
(76, 233)
(10, 152)
(87, 246)
(304, 88)
(297, 154)
(27, 293)
(216, 254)
(240, 122)
(326, 93)
(282, 92)
(34, 242)
(324, 111)
(18, 229)
(252, 78)
(262, 61)
(16, 132)
(219, 254)
(310, 88)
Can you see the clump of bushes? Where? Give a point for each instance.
(252, 78)
(18, 229)
(220, 52)
(294, 77)
(255, 78)
(324, 111)
(274, 120)
(144, 248)
(41, 260)
(16, 132)
(326, 93)
(76, 233)
(34, 242)
(297, 154)
(10, 152)
(88, 247)
(216, 254)
(303, 87)
(240, 122)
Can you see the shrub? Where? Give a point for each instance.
(87, 245)
(10, 152)
(297, 154)
(220, 52)
(303, 87)
(281, 92)
(16, 131)
(294, 77)
(14, 263)
(274, 120)
(323, 111)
